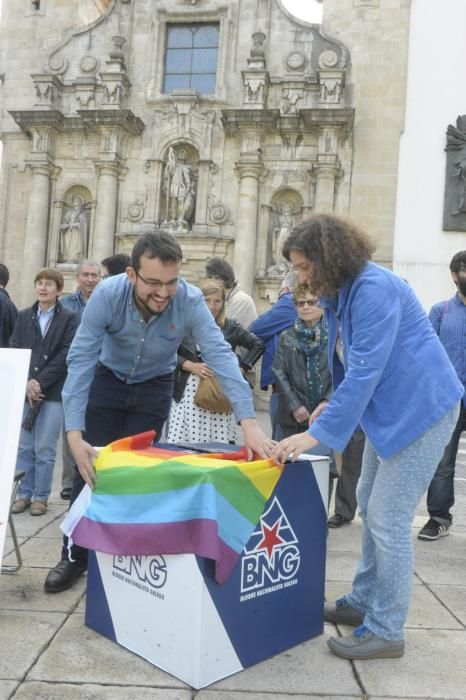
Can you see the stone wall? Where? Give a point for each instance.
(301, 120)
(376, 34)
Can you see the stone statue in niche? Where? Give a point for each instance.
(459, 174)
(454, 208)
(285, 223)
(74, 231)
(179, 189)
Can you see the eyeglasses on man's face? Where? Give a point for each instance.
(157, 284)
(301, 303)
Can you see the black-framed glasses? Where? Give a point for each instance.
(301, 303)
(157, 284)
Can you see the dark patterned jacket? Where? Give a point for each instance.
(236, 335)
(48, 353)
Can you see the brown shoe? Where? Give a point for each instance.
(39, 508)
(20, 505)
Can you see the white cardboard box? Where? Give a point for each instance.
(169, 609)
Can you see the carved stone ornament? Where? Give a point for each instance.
(136, 211)
(328, 59)
(219, 213)
(58, 64)
(331, 86)
(89, 64)
(290, 100)
(295, 60)
(454, 208)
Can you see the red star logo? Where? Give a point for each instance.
(270, 538)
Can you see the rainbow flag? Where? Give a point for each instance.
(149, 500)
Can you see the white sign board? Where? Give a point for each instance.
(14, 366)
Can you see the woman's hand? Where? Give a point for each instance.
(317, 411)
(301, 414)
(33, 391)
(289, 449)
(200, 369)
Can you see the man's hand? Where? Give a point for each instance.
(255, 440)
(289, 449)
(84, 455)
(317, 411)
(301, 414)
(33, 391)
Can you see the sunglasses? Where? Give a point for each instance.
(301, 303)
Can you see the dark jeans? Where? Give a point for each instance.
(116, 410)
(351, 461)
(441, 493)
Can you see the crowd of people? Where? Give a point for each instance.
(355, 368)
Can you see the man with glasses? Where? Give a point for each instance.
(449, 321)
(121, 366)
(87, 278)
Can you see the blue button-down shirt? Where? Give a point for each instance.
(449, 321)
(75, 302)
(113, 332)
(45, 318)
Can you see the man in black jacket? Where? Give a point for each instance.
(8, 311)
(48, 329)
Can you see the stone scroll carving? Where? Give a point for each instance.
(454, 210)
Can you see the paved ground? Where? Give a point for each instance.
(46, 652)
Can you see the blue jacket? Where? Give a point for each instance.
(398, 380)
(449, 321)
(268, 327)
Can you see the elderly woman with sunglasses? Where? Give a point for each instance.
(300, 365)
(392, 376)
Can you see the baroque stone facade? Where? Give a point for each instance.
(100, 147)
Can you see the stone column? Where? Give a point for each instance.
(250, 172)
(154, 167)
(202, 192)
(327, 168)
(326, 175)
(35, 248)
(106, 210)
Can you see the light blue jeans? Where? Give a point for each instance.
(387, 494)
(37, 450)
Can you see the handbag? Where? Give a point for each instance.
(210, 396)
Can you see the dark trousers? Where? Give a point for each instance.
(115, 410)
(351, 461)
(441, 493)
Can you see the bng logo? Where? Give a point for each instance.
(272, 555)
(151, 570)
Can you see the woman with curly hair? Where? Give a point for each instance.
(188, 422)
(392, 376)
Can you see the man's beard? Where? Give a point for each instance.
(461, 284)
(143, 306)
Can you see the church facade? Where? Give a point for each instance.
(225, 123)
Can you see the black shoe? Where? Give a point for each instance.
(65, 494)
(63, 575)
(337, 520)
(432, 530)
